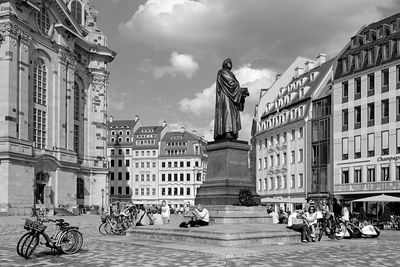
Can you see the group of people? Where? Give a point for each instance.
(305, 221)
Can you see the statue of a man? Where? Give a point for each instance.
(229, 102)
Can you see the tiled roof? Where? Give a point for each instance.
(185, 136)
(156, 129)
(118, 124)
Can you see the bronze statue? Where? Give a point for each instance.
(230, 98)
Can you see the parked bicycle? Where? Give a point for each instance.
(65, 238)
(115, 225)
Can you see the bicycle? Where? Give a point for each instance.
(65, 239)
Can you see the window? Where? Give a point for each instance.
(163, 164)
(345, 119)
(371, 144)
(345, 148)
(148, 177)
(137, 165)
(385, 173)
(188, 164)
(357, 88)
(119, 175)
(181, 177)
(371, 174)
(385, 143)
(371, 114)
(397, 141)
(357, 146)
(284, 158)
(293, 184)
(112, 151)
(112, 175)
(188, 177)
(188, 191)
(127, 190)
(371, 84)
(119, 151)
(345, 92)
(119, 190)
(120, 163)
(40, 99)
(136, 177)
(293, 157)
(271, 183)
(278, 159)
(153, 191)
(112, 163)
(385, 80)
(76, 102)
(198, 177)
(112, 190)
(398, 73)
(359, 59)
(301, 155)
(175, 177)
(371, 56)
(127, 162)
(127, 175)
(357, 117)
(43, 21)
(163, 177)
(127, 151)
(301, 132)
(154, 165)
(301, 180)
(345, 176)
(76, 138)
(142, 191)
(293, 134)
(76, 11)
(357, 175)
(169, 191)
(153, 177)
(169, 177)
(141, 164)
(142, 177)
(147, 191)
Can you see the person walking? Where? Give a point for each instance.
(165, 212)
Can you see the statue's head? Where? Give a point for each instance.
(227, 64)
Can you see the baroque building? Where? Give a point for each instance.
(366, 100)
(54, 82)
(282, 134)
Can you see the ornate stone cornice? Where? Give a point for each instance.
(11, 33)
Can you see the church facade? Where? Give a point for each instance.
(53, 105)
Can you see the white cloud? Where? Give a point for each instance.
(203, 103)
(180, 63)
(272, 31)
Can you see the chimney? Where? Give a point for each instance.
(164, 123)
(299, 71)
(111, 119)
(277, 76)
(182, 129)
(321, 58)
(309, 65)
(194, 132)
(136, 117)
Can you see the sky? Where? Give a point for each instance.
(169, 51)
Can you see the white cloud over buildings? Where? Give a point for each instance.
(180, 63)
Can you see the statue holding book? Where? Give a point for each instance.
(230, 99)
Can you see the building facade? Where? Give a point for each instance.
(54, 83)
(183, 167)
(366, 102)
(284, 133)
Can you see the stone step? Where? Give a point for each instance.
(228, 235)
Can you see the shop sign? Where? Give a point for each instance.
(396, 158)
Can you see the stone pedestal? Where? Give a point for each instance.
(227, 173)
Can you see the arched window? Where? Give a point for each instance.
(40, 100)
(43, 21)
(76, 101)
(40, 82)
(76, 10)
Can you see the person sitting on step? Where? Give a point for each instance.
(201, 217)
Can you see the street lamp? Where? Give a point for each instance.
(102, 200)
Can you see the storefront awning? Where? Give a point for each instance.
(283, 200)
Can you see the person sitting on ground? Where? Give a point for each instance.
(311, 219)
(295, 223)
(337, 209)
(202, 217)
(345, 213)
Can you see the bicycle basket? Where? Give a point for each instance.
(34, 225)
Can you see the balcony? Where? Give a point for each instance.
(374, 186)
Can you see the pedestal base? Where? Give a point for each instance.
(227, 173)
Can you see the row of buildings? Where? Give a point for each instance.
(325, 127)
(53, 105)
(148, 164)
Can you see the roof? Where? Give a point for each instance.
(118, 124)
(156, 129)
(185, 136)
(353, 50)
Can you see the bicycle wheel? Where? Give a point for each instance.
(21, 242)
(108, 229)
(67, 242)
(102, 229)
(76, 242)
(30, 245)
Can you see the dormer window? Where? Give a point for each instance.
(43, 21)
(372, 35)
(345, 65)
(301, 111)
(371, 56)
(359, 60)
(76, 11)
(301, 92)
(385, 51)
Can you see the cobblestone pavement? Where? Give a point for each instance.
(101, 250)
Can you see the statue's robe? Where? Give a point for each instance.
(227, 105)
